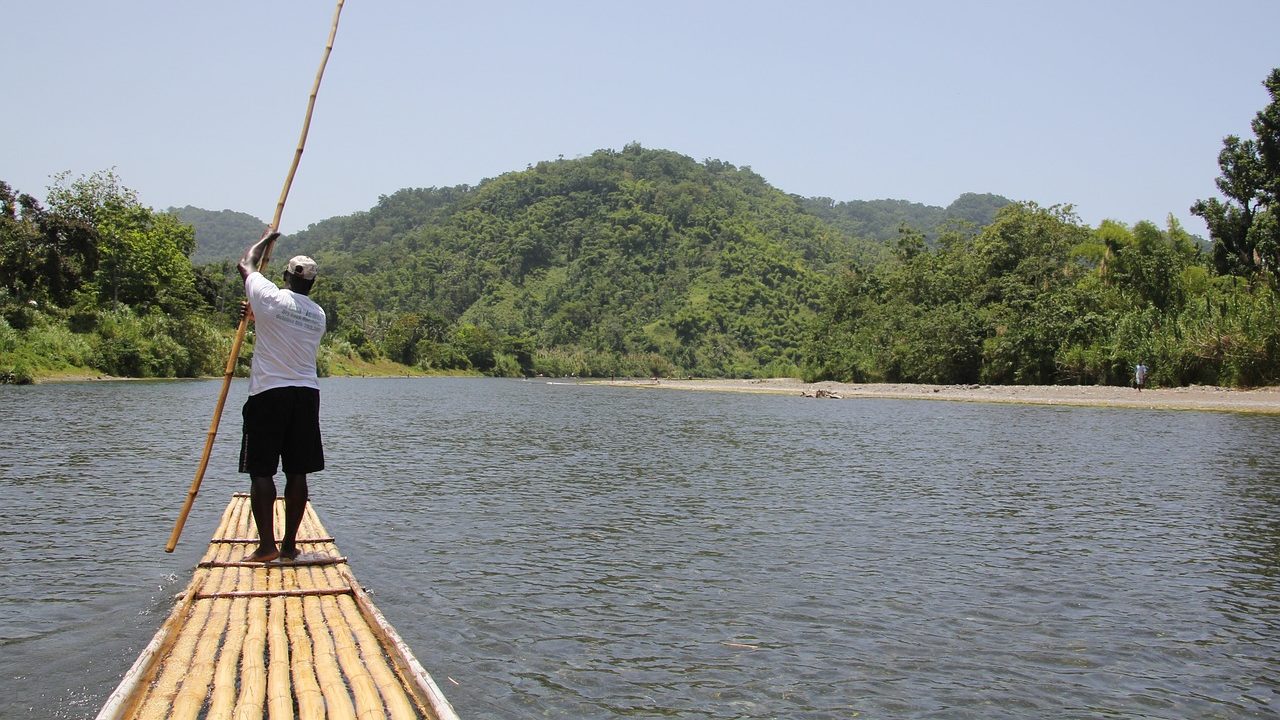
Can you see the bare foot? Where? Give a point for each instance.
(289, 555)
(262, 557)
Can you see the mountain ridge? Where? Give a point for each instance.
(639, 253)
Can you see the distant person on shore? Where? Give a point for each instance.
(282, 414)
(1140, 376)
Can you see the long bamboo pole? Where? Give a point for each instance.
(230, 369)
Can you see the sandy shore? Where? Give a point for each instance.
(1200, 397)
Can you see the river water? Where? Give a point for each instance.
(577, 551)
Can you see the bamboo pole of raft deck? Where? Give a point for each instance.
(253, 671)
(230, 368)
(363, 689)
(327, 673)
(194, 685)
(223, 697)
(405, 662)
(384, 676)
(306, 689)
(279, 694)
(175, 667)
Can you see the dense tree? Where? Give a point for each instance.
(44, 256)
(1034, 297)
(622, 254)
(881, 219)
(220, 235)
(1245, 228)
(646, 262)
(142, 256)
(93, 262)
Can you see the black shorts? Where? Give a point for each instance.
(282, 424)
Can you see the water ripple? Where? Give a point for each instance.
(581, 551)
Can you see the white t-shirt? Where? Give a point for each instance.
(289, 327)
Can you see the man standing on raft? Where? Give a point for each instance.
(282, 414)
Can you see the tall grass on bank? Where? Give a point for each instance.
(111, 342)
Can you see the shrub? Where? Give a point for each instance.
(440, 356)
(203, 350)
(559, 362)
(58, 347)
(505, 365)
(324, 361)
(16, 374)
(9, 337)
(21, 316)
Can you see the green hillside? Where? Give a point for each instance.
(220, 234)
(881, 219)
(640, 261)
(642, 258)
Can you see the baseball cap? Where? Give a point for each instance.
(302, 266)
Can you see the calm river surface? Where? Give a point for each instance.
(572, 551)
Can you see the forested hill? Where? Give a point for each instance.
(881, 219)
(644, 261)
(639, 253)
(636, 253)
(220, 234)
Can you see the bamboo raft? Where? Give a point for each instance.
(281, 640)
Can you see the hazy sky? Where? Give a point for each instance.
(1118, 108)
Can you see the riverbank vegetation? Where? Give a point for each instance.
(644, 262)
(1036, 297)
